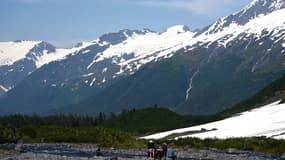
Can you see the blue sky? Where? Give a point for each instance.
(66, 22)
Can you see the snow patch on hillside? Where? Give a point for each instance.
(268, 120)
(58, 55)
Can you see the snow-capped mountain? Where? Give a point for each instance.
(108, 58)
(118, 54)
(228, 61)
(18, 59)
(256, 8)
(265, 121)
(137, 50)
(258, 19)
(198, 73)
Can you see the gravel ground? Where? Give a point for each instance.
(88, 152)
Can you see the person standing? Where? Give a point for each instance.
(151, 149)
(164, 150)
(99, 152)
(171, 154)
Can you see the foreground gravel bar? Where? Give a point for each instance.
(88, 152)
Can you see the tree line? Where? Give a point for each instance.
(70, 120)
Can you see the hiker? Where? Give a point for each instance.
(98, 152)
(171, 154)
(158, 154)
(151, 149)
(164, 150)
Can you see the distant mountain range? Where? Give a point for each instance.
(200, 72)
(20, 58)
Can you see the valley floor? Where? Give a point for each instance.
(88, 152)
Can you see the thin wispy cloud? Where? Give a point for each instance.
(199, 7)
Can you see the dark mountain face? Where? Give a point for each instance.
(205, 80)
(231, 75)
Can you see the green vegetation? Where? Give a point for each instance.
(19, 120)
(136, 121)
(63, 128)
(152, 120)
(56, 134)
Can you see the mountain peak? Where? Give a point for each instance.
(122, 35)
(85, 44)
(255, 9)
(178, 29)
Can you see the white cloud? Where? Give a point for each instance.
(199, 7)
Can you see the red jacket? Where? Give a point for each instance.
(164, 149)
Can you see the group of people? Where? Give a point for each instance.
(155, 152)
